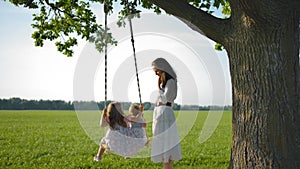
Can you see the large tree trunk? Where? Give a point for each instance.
(264, 66)
(262, 41)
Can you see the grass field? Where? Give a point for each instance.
(56, 139)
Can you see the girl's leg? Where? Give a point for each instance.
(99, 154)
(101, 151)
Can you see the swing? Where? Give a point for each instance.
(132, 143)
(106, 10)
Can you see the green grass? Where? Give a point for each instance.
(55, 139)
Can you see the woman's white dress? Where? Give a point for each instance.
(165, 141)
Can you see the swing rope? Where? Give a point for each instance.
(134, 55)
(105, 53)
(106, 10)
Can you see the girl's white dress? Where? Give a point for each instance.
(125, 141)
(165, 141)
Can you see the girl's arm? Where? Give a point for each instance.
(103, 120)
(138, 116)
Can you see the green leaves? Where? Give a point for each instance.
(129, 10)
(219, 47)
(65, 47)
(101, 38)
(218, 3)
(226, 10)
(63, 21)
(26, 3)
(207, 5)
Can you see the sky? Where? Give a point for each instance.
(31, 72)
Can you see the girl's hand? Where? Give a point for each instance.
(104, 112)
(104, 121)
(141, 107)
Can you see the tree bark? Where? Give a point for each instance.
(264, 66)
(262, 41)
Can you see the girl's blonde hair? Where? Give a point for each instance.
(115, 115)
(134, 109)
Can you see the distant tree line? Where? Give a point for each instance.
(23, 104)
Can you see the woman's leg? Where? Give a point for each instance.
(168, 165)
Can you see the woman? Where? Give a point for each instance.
(166, 142)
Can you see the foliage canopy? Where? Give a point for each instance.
(62, 21)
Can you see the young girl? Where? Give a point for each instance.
(137, 124)
(120, 137)
(166, 142)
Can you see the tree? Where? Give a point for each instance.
(261, 38)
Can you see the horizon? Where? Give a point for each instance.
(101, 101)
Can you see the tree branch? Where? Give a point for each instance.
(58, 9)
(200, 21)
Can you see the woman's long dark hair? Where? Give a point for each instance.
(162, 81)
